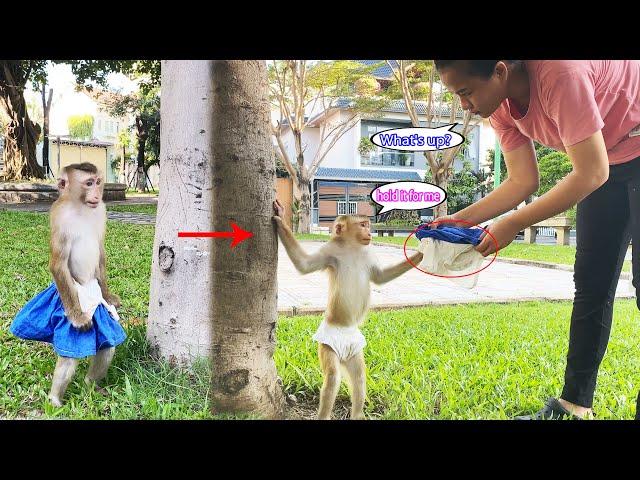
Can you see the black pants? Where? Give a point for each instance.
(605, 223)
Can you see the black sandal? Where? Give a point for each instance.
(552, 410)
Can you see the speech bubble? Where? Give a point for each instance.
(418, 139)
(408, 196)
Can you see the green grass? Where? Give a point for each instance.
(563, 254)
(148, 209)
(469, 362)
(450, 362)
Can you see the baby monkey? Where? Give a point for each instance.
(351, 266)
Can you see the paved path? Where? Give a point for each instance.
(501, 282)
(125, 217)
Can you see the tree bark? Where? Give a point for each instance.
(304, 187)
(21, 135)
(142, 134)
(46, 107)
(245, 307)
(123, 167)
(182, 291)
(441, 178)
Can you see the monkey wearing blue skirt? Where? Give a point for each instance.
(76, 313)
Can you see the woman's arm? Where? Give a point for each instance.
(523, 180)
(590, 170)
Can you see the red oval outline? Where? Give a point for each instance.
(450, 221)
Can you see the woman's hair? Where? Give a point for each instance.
(476, 68)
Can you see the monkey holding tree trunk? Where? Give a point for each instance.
(351, 267)
(76, 313)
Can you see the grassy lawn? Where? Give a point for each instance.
(148, 209)
(469, 362)
(563, 254)
(449, 362)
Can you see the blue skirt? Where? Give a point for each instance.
(43, 319)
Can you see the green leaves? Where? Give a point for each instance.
(553, 167)
(80, 126)
(462, 188)
(147, 72)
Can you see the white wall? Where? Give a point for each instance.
(344, 154)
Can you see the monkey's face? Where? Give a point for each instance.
(361, 231)
(87, 188)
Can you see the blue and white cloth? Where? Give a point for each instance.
(451, 234)
(43, 319)
(450, 251)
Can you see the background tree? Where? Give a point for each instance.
(124, 143)
(21, 133)
(144, 105)
(46, 109)
(145, 108)
(301, 90)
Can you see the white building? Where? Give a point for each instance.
(345, 178)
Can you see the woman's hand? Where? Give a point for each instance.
(453, 220)
(504, 231)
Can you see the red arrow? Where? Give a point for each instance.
(238, 234)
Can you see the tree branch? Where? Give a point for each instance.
(343, 128)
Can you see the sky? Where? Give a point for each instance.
(60, 77)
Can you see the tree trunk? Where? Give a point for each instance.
(181, 296)
(123, 168)
(21, 135)
(304, 186)
(46, 106)
(141, 183)
(245, 308)
(441, 179)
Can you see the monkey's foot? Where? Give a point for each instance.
(101, 390)
(97, 388)
(55, 401)
(358, 416)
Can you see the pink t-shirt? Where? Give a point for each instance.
(570, 100)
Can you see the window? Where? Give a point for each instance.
(342, 208)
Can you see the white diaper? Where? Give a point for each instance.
(345, 341)
(446, 258)
(90, 296)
